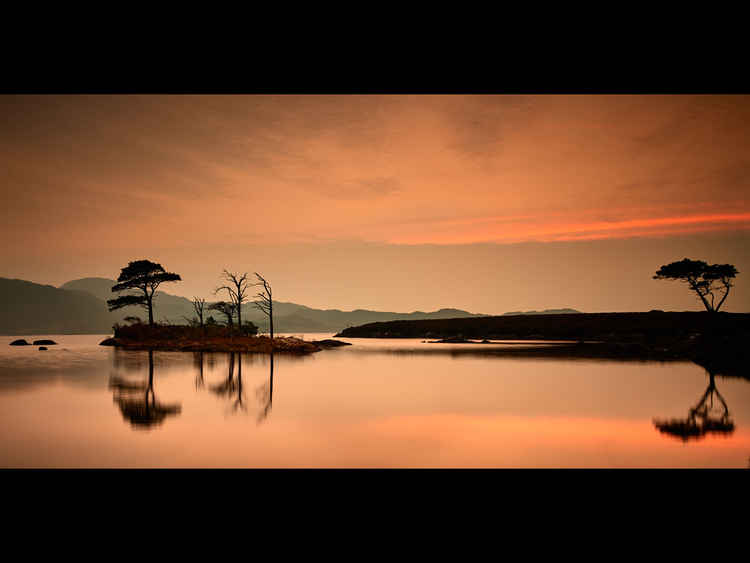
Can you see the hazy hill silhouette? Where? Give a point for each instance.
(288, 317)
(31, 308)
(171, 308)
(79, 306)
(99, 287)
(545, 312)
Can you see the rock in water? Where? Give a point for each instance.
(42, 348)
(44, 342)
(453, 340)
(330, 343)
(110, 342)
(20, 342)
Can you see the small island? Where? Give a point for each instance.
(184, 338)
(139, 280)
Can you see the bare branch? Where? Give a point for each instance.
(236, 287)
(264, 299)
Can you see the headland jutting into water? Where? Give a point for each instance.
(716, 338)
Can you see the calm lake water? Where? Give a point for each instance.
(378, 403)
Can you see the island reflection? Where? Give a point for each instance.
(139, 406)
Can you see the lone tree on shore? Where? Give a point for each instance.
(236, 285)
(264, 300)
(145, 276)
(199, 305)
(710, 282)
(226, 309)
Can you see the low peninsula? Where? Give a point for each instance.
(708, 337)
(651, 326)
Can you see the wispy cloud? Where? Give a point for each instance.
(444, 169)
(540, 229)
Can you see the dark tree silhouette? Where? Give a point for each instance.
(702, 419)
(708, 281)
(226, 309)
(141, 275)
(199, 305)
(264, 300)
(137, 401)
(237, 287)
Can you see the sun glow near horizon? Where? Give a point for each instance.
(332, 195)
(540, 229)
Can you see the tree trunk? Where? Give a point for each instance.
(270, 317)
(705, 303)
(150, 311)
(722, 299)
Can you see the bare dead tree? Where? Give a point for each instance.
(199, 305)
(264, 300)
(237, 287)
(226, 309)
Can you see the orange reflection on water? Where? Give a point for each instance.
(517, 441)
(367, 406)
(433, 440)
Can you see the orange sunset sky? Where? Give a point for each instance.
(389, 202)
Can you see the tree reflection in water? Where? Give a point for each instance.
(137, 401)
(704, 418)
(231, 387)
(265, 395)
(198, 363)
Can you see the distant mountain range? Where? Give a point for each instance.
(31, 308)
(79, 307)
(545, 312)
